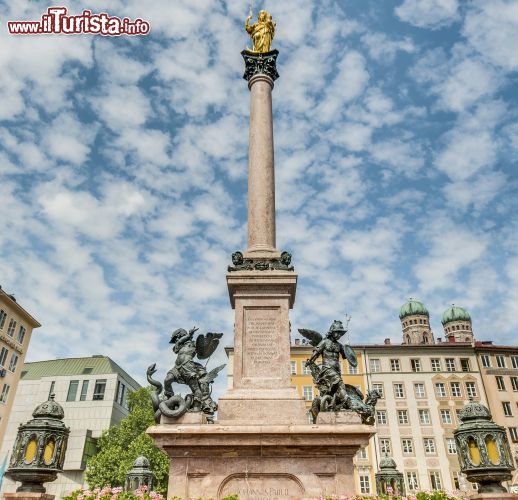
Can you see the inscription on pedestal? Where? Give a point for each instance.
(262, 487)
(261, 343)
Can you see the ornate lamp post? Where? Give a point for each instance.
(39, 449)
(389, 476)
(139, 475)
(483, 449)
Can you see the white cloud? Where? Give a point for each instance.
(492, 29)
(466, 153)
(432, 14)
(452, 249)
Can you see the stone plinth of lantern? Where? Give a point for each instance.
(483, 451)
(39, 452)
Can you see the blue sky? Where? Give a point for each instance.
(123, 167)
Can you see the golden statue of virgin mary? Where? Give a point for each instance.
(262, 32)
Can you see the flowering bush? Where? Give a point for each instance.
(109, 493)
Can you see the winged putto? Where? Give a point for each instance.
(334, 394)
(188, 372)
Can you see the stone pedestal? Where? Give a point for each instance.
(262, 390)
(25, 495)
(268, 461)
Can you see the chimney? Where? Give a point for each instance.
(439, 340)
(297, 341)
(387, 341)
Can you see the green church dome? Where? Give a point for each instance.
(412, 307)
(455, 313)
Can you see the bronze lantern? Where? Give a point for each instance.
(140, 475)
(40, 447)
(483, 449)
(389, 477)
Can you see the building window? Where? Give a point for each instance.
(424, 417)
(436, 364)
(419, 391)
(395, 365)
(100, 387)
(3, 316)
(51, 390)
(399, 391)
(375, 365)
(305, 369)
(293, 367)
(5, 393)
(429, 446)
(402, 416)
(72, 390)
(456, 480)
(450, 446)
(486, 361)
(514, 383)
(385, 448)
(435, 480)
(500, 383)
(365, 484)
(412, 481)
(450, 364)
(440, 390)
(307, 392)
(3, 356)
(464, 365)
(446, 416)
(507, 408)
(379, 389)
(381, 417)
(84, 390)
(455, 389)
(90, 448)
(514, 362)
(513, 432)
(353, 370)
(500, 361)
(121, 393)
(408, 446)
(471, 389)
(13, 362)
(11, 328)
(416, 365)
(362, 453)
(21, 334)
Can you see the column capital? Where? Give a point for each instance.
(260, 63)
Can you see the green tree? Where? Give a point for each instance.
(120, 445)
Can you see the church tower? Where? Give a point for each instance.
(415, 321)
(456, 323)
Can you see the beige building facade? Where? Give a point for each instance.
(498, 366)
(16, 326)
(93, 393)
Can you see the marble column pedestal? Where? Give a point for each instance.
(260, 461)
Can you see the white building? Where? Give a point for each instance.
(93, 392)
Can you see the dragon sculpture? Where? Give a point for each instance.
(188, 372)
(334, 394)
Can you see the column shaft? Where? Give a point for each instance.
(261, 176)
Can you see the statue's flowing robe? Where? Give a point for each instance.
(262, 35)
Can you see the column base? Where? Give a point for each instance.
(255, 407)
